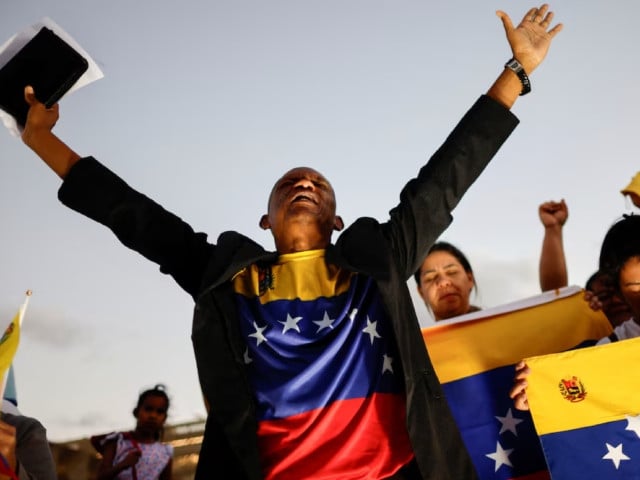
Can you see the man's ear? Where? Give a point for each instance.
(338, 224)
(264, 222)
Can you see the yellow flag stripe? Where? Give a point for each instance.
(304, 275)
(607, 376)
(462, 349)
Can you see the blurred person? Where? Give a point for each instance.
(139, 454)
(25, 450)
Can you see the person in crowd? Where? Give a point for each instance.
(620, 260)
(553, 265)
(311, 357)
(24, 447)
(445, 279)
(139, 454)
(601, 293)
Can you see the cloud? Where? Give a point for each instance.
(52, 328)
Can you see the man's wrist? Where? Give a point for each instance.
(516, 67)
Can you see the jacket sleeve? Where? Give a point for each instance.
(139, 223)
(35, 460)
(426, 201)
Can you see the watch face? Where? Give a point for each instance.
(514, 65)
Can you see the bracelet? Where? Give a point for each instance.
(515, 66)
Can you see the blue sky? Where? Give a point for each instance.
(204, 104)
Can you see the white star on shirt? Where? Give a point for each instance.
(258, 333)
(500, 456)
(386, 363)
(352, 315)
(290, 324)
(615, 455)
(509, 422)
(326, 322)
(633, 424)
(247, 358)
(371, 330)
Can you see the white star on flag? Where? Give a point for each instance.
(633, 424)
(370, 330)
(509, 422)
(352, 315)
(258, 333)
(386, 363)
(500, 456)
(247, 358)
(326, 322)
(615, 454)
(290, 324)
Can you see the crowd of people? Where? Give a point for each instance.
(310, 357)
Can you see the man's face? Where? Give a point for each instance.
(302, 202)
(629, 280)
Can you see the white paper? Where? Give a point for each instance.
(20, 39)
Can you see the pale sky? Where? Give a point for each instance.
(205, 104)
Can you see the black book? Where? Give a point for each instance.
(47, 63)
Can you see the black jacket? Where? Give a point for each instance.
(390, 252)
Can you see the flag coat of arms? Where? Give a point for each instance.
(475, 356)
(586, 409)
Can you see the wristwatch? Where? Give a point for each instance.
(515, 66)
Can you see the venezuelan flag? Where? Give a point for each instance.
(586, 408)
(324, 367)
(474, 357)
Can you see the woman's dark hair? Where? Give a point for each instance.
(452, 250)
(621, 242)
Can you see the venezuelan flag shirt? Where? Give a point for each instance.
(325, 369)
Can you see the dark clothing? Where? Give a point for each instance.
(389, 252)
(35, 460)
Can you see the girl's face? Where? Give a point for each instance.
(630, 284)
(445, 286)
(152, 413)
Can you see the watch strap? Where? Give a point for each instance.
(516, 67)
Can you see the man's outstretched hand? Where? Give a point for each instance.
(530, 40)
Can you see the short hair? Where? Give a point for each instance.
(450, 249)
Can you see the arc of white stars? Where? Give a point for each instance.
(326, 322)
(615, 454)
(386, 363)
(500, 456)
(247, 358)
(258, 333)
(291, 323)
(370, 330)
(509, 422)
(633, 424)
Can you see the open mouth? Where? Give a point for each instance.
(303, 198)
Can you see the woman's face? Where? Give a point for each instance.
(630, 284)
(445, 286)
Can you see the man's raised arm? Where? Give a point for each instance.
(529, 43)
(38, 136)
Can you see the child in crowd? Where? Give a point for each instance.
(139, 454)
